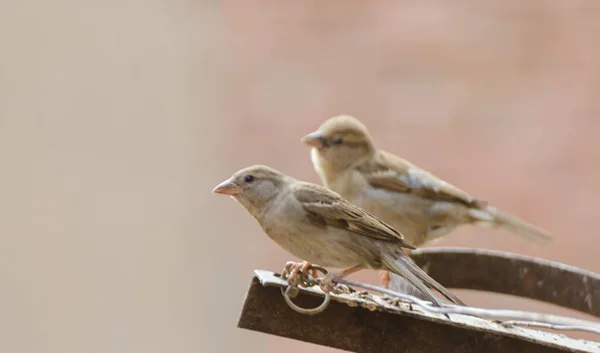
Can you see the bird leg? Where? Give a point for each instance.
(385, 278)
(328, 283)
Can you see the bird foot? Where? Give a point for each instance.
(327, 284)
(293, 269)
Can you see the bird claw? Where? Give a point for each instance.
(327, 284)
(287, 269)
(292, 270)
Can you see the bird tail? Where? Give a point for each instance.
(491, 216)
(402, 265)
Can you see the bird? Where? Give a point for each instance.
(318, 226)
(417, 203)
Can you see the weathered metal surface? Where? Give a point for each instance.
(501, 272)
(348, 325)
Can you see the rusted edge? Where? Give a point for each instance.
(523, 276)
(348, 325)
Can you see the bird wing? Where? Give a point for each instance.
(389, 172)
(327, 208)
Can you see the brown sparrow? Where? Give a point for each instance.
(410, 199)
(317, 225)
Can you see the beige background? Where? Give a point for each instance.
(118, 117)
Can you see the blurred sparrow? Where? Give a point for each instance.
(317, 225)
(407, 197)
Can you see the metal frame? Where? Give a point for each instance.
(356, 324)
(507, 273)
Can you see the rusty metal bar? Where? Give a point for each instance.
(348, 325)
(502, 272)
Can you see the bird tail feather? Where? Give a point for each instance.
(491, 216)
(402, 265)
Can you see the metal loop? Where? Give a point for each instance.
(303, 281)
(298, 309)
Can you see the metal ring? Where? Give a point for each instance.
(296, 308)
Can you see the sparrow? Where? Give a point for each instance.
(319, 226)
(422, 206)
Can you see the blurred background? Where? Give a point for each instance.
(117, 118)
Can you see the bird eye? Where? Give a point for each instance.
(248, 178)
(337, 141)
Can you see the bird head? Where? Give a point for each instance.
(340, 142)
(253, 186)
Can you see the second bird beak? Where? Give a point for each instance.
(227, 187)
(314, 139)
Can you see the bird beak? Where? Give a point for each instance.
(227, 187)
(314, 139)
